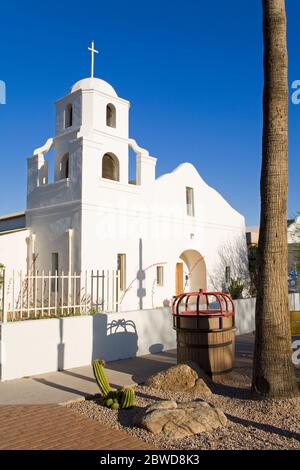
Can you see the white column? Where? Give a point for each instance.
(70, 265)
(4, 302)
(70, 250)
(33, 239)
(145, 170)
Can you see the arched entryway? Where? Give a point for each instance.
(190, 272)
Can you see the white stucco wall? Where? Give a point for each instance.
(151, 226)
(147, 222)
(13, 249)
(50, 227)
(245, 313)
(38, 346)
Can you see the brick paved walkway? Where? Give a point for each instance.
(42, 427)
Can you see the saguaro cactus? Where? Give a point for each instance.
(114, 399)
(101, 379)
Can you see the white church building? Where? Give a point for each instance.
(163, 234)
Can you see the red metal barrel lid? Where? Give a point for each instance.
(199, 303)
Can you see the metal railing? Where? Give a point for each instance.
(44, 294)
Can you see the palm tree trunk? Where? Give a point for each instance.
(273, 372)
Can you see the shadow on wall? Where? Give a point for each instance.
(137, 281)
(156, 348)
(115, 340)
(111, 341)
(141, 276)
(232, 254)
(61, 347)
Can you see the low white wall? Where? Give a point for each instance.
(39, 346)
(245, 313)
(294, 301)
(13, 249)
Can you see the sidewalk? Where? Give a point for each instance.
(76, 384)
(53, 427)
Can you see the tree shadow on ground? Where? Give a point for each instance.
(149, 397)
(225, 390)
(126, 417)
(140, 368)
(64, 388)
(72, 390)
(269, 428)
(78, 376)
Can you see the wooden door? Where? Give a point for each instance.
(179, 278)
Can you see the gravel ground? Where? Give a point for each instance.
(251, 424)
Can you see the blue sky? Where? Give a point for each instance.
(192, 70)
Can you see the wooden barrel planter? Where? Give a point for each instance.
(204, 323)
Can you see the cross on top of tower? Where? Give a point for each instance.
(93, 51)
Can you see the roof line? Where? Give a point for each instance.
(13, 215)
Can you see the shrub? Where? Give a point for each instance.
(236, 288)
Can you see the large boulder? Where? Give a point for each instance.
(179, 378)
(179, 420)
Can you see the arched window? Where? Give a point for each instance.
(68, 116)
(64, 167)
(110, 115)
(110, 167)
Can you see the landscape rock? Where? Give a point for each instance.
(182, 377)
(200, 372)
(201, 388)
(179, 420)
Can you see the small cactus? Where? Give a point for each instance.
(109, 402)
(128, 398)
(114, 399)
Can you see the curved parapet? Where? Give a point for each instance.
(45, 148)
(137, 149)
(37, 169)
(145, 165)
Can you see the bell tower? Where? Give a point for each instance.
(91, 143)
(94, 113)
